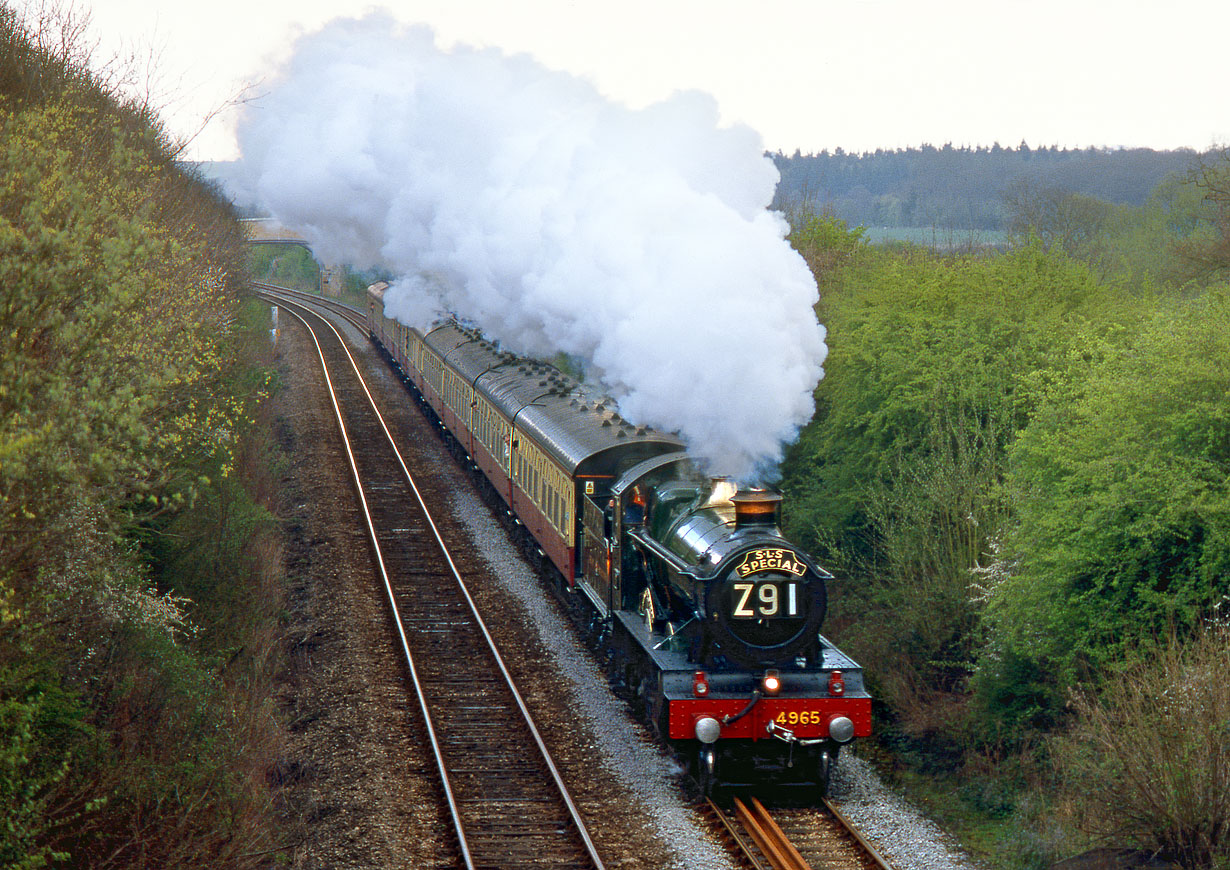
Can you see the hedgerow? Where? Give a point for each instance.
(134, 719)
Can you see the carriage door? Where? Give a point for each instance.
(597, 553)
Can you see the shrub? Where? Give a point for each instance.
(37, 722)
(936, 364)
(1147, 759)
(1122, 508)
(135, 724)
(289, 265)
(824, 241)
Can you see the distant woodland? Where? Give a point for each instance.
(965, 188)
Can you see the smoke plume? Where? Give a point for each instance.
(526, 203)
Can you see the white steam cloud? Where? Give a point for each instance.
(525, 202)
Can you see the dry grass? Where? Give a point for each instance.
(1148, 758)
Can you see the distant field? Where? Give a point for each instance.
(934, 237)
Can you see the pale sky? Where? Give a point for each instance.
(806, 74)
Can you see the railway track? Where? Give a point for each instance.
(508, 803)
(284, 295)
(789, 839)
(793, 839)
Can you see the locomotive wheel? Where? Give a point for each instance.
(631, 679)
(654, 705)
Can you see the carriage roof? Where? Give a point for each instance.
(566, 418)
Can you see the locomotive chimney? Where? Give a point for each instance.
(757, 507)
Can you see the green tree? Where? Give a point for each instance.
(1208, 252)
(288, 265)
(1122, 504)
(1143, 244)
(935, 365)
(1059, 218)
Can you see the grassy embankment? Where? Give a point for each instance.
(138, 608)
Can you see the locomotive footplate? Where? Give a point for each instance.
(802, 709)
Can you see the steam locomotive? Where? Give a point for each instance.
(702, 608)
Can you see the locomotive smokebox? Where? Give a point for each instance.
(759, 508)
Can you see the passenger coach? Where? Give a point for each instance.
(544, 442)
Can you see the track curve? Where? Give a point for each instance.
(508, 803)
(792, 838)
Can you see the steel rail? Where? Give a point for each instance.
(303, 297)
(770, 847)
(732, 830)
(858, 836)
(756, 820)
(769, 838)
(441, 768)
(573, 811)
(759, 818)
